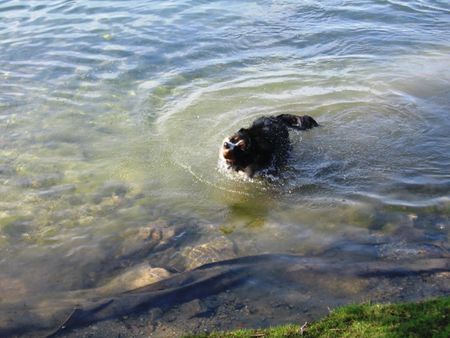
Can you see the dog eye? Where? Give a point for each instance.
(226, 145)
(242, 145)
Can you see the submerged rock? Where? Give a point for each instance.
(111, 188)
(16, 228)
(7, 170)
(137, 276)
(46, 181)
(144, 239)
(218, 249)
(11, 289)
(114, 188)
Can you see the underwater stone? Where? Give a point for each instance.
(149, 233)
(194, 307)
(24, 182)
(114, 188)
(16, 229)
(216, 250)
(144, 239)
(6, 170)
(75, 200)
(11, 288)
(137, 276)
(47, 180)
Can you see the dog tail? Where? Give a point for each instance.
(298, 122)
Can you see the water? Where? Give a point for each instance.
(112, 114)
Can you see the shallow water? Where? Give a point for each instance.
(112, 113)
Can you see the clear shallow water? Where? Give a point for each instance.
(112, 113)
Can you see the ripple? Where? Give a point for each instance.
(145, 93)
(426, 7)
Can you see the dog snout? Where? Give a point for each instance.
(228, 145)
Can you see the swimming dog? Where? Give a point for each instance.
(264, 145)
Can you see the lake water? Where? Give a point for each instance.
(112, 114)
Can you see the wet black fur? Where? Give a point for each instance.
(267, 142)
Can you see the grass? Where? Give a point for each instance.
(425, 319)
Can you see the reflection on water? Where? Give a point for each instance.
(111, 116)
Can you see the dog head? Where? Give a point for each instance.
(236, 149)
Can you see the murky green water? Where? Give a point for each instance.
(112, 114)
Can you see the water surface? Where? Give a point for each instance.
(112, 114)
